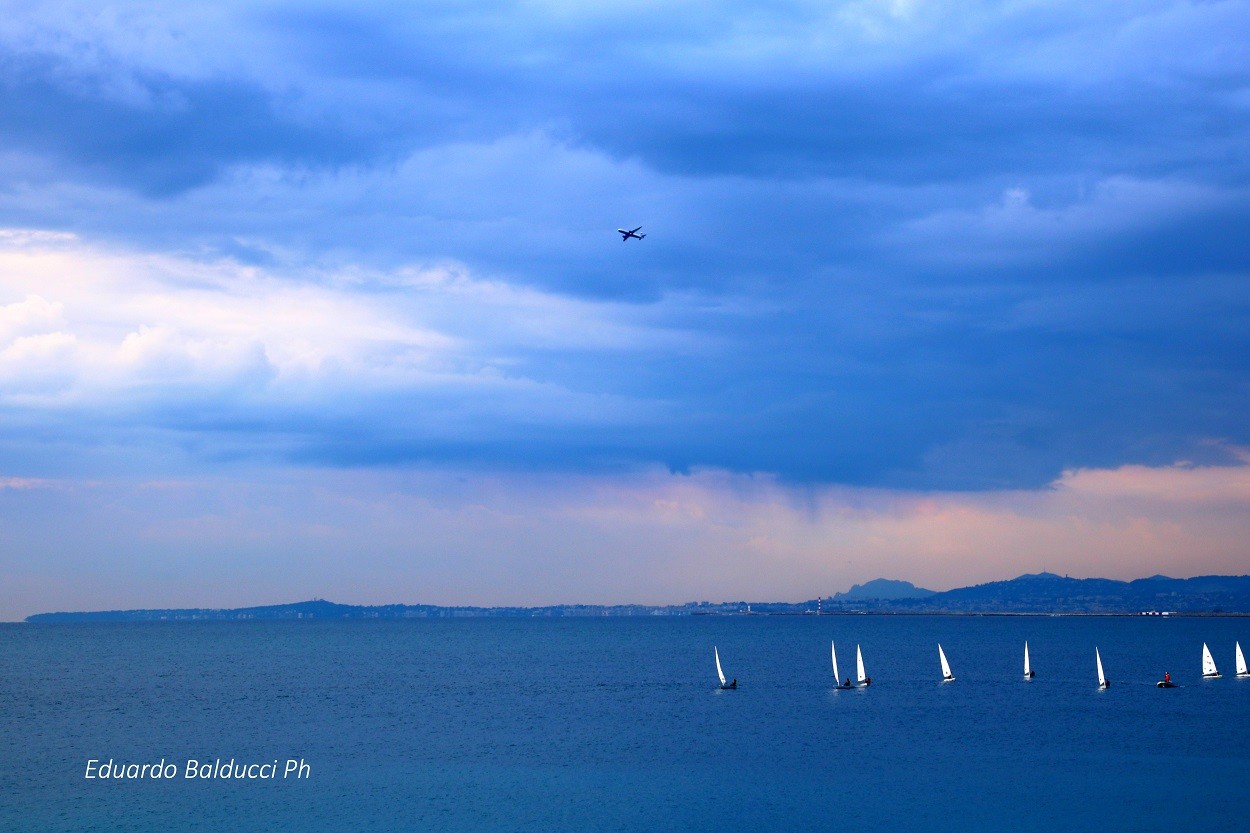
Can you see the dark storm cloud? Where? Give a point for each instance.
(680, 89)
(927, 245)
(166, 136)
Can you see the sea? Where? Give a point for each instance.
(617, 724)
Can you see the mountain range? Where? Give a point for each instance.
(1049, 593)
(1035, 593)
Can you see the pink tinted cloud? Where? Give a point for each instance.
(455, 537)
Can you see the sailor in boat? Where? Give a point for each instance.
(847, 684)
(734, 684)
(867, 680)
(1167, 676)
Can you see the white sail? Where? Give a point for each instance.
(1208, 663)
(1028, 669)
(719, 672)
(1241, 663)
(833, 651)
(946, 666)
(1102, 679)
(861, 677)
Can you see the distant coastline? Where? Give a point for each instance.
(1042, 593)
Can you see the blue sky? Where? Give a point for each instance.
(916, 275)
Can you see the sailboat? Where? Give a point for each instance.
(947, 676)
(1209, 671)
(833, 651)
(1028, 669)
(1241, 663)
(860, 677)
(721, 673)
(1103, 682)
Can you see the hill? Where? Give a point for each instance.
(884, 588)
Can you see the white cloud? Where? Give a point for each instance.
(84, 324)
(34, 314)
(1014, 229)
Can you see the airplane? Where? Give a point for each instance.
(625, 235)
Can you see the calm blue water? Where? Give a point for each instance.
(614, 724)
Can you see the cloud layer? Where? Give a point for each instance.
(911, 246)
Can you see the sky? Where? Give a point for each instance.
(325, 299)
